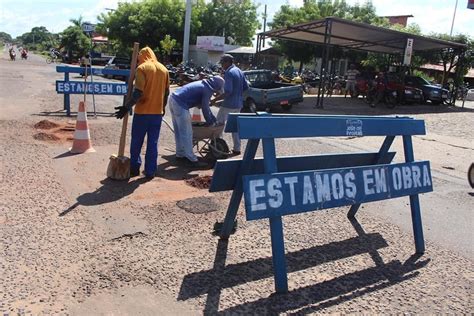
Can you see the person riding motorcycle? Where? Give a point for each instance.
(24, 53)
(377, 90)
(12, 53)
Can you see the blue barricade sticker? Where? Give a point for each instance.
(268, 195)
(77, 87)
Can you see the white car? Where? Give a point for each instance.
(470, 95)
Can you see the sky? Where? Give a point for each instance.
(19, 16)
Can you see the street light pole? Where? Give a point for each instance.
(454, 16)
(187, 27)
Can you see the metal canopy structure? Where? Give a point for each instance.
(334, 31)
(356, 35)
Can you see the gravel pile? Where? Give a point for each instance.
(46, 136)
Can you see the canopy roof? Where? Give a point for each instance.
(356, 35)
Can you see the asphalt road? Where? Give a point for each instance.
(26, 88)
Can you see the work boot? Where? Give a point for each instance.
(134, 173)
(196, 164)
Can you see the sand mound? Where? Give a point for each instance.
(46, 136)
(45, 124)
(200, 182)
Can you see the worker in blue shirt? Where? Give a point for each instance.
(193, 94)
(234, 87)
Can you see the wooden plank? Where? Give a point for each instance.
(95, 71)
(225, 171)
(278, 194)
(286, 127)
(231, 125)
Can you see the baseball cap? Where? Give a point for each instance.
(227, 58)
(216, 83)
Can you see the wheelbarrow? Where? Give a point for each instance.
(207, 141)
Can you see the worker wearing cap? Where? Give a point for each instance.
(150, 96)
(193, 94)
(234, 87)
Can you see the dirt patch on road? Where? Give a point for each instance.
(199, 205)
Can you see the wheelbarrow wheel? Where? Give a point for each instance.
(470, 175)
(218, 149)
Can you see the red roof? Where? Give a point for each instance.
(100, 39)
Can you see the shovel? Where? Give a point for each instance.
(119, 165)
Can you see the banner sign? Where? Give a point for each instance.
(269, 195)
(215, 43)
(408, 52)
(77, 87)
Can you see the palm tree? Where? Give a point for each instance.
(77, 22)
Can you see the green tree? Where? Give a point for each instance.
(5, 37)
(237, 19)
(451, 59)
(381, 61)
(39, 38)
(314, 10)
(74, 40)
(147, 21)
(167, 45)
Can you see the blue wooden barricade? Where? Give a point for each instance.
(276, 186)
(68, 87)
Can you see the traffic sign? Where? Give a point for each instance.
(77, 87)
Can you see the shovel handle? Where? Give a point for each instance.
(133, 65)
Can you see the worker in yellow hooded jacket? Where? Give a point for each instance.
(149, 97)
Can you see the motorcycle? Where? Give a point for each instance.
(24, 55)
(379, 92)
(12, 55)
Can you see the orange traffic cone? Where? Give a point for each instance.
(82, 138)
(197, 117)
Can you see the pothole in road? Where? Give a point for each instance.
(200, 182)
(198, 205)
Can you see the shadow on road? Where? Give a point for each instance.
(311, 298)
(347, 106)
(110, 191)
(174, 170)
(62, 113)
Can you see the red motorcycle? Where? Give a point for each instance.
(381, 91)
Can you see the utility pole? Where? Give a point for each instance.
(454, 16)
(187, 26)
(264, 24)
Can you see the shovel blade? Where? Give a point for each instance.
(118, 168)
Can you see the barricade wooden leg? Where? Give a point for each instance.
(236, 197)
(382, 152)
(276, 224)
(414, 201)
(278, 255)
(67, 99)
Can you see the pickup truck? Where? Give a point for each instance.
(264, 93)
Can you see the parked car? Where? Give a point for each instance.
(264, 92)
(406, 94)
(432, 93)
(470, 95)
(116, 63)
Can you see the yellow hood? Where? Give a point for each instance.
(146, 54)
